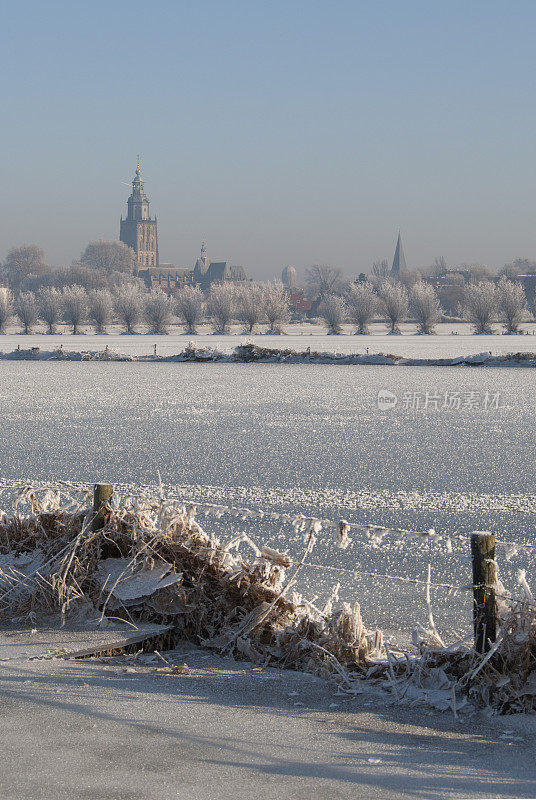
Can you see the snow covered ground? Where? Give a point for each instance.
(120, 730)
(452, 339)
(454, 454)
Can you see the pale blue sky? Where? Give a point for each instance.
(280, 132)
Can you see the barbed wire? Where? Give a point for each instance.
(428, 583)
(301, 523)
(450, 587)
(245, 513)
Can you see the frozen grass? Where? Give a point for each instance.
(152, 562)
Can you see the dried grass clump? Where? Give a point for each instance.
(249, 352)
(214, 598)
(503, 679)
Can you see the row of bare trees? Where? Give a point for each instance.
(487, 302)
(484, 303)
(363, 302)
(253, 304)
(132, 306)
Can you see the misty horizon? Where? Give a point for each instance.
(305, 134)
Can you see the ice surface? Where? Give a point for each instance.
(305, 439)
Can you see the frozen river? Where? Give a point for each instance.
(271, 425)
(456, 453)
(452, 339)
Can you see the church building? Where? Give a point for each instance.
(206, 272)
(138, 230)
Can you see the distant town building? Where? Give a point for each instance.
(399, 261)
(203, 274)
(206, 271)
(166, 277)
(289, 277)
(138, 230)
(301, 307)
(450, 288)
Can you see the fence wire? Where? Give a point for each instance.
(377, 537)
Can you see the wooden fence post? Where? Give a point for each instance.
(484, 580)
(101, 495)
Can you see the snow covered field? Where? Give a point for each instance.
(456, 454)
(452, 339)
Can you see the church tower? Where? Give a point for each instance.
(138, 230)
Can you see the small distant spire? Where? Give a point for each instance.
(203, 251)
(399, 261)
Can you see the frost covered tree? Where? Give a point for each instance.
(381, 269)
(158, 311)
(22, 262)
(75, 306)
(129, 306)
(221, 306)
(481, 305)
(362, 305)
(250, 305)
(512, 303)
(189, 307)
(101, 309)
(276, 305)
(6, 309)
(109, 257)
(425, 306)
(333, 311)
(323, 280)
(50, 305)
(394, 301)
(27, 310)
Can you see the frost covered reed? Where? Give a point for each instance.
(53, 561)
(249, 353)
(153, 563)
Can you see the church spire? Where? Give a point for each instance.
(138, 202)
(137, 183)
(399, 261)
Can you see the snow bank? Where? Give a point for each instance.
(253, 353)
